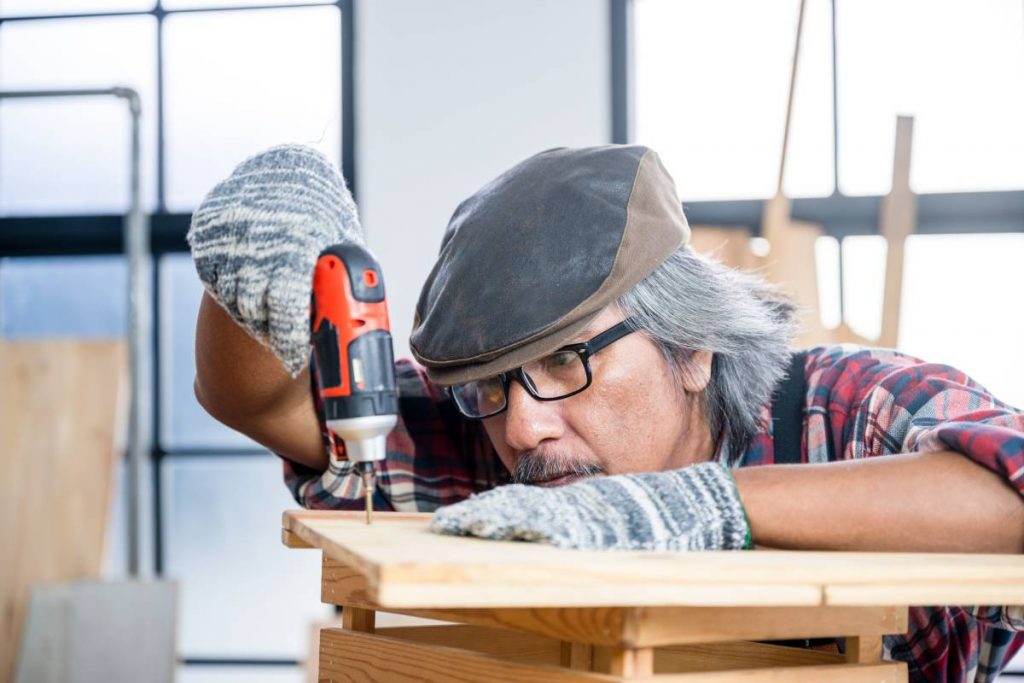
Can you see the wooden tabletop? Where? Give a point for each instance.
(407, 566)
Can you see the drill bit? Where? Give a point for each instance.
(368, 477)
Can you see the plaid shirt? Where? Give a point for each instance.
(860, 403)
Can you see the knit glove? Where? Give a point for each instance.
(694, 508)
(256, 236)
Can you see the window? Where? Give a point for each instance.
(269, 76)
(712, 80)
(957, 68)
(60, 157)
(232, 78)
(711, 84)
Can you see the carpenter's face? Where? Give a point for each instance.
(632, 418)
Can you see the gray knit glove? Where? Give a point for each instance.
(694, 508)
(256, 237)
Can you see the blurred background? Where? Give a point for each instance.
(421, 103)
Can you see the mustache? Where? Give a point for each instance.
(532, 467)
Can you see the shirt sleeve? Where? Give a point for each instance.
(907, 406)
(954, 644)
(434, 457)
(919, 407)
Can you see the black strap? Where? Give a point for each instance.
(788, 412)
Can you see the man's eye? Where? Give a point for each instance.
(560, 360)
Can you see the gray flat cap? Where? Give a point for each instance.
(528, 261)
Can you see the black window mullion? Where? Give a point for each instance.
(77, 235)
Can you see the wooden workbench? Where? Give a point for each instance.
(531, 612)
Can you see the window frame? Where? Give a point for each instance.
(840, 216)
(103, 234)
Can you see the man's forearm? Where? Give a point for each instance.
(920, 502)
(242, 384)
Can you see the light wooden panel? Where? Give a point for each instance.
(61, 428)
(678, 625)
(641, 626)
(527, 648)
(791, 264)
(896, 223)
(406, 566)
(736, 656)
(342, 585)
(730, 245)
(351, 656)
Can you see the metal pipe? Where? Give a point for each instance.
(140, 329)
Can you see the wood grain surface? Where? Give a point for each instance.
(352, 656)
(406, 566)
(62, 420)
(638, 626)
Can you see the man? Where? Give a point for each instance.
(568, 331)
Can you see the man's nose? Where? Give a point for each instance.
(529, 422)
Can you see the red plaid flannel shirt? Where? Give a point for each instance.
(860, 403)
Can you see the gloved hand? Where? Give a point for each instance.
(694, 508)
(256, 236)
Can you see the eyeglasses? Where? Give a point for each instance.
(561, 374)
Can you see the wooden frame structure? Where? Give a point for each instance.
(528, 612)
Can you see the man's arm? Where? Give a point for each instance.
(917, 502)
(241, 383)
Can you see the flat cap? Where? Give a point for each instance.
(530, 259)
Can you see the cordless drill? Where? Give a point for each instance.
(351, 341)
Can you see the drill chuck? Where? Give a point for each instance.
(365, 437)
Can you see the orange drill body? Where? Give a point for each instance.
(351, 340)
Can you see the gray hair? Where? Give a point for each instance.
(692, 303)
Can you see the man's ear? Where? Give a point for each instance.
(698, 373)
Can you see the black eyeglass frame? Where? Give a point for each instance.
(583, 349)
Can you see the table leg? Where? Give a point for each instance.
(358, 619)
(578, 656)
(864, 649)
(623, 661)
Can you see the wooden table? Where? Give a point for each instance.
(531, 612)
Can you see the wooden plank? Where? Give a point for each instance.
(730, 245)
(735, 656)
(928, 593)
(62, 422)
(642, 626)
(350, 656)
(526, 648)
(402, 591)
(291, 540)
(896, 222)
(886, 672)
(680, 625)
(342, 585)
(312, 663)
(792, 264)
(407, 567)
